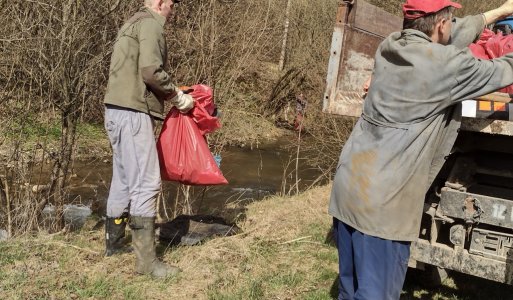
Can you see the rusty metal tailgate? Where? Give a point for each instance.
(359, 29)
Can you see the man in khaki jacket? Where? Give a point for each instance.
(137, 88)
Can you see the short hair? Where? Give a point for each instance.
(426, 24)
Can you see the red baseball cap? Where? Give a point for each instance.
(414, 9)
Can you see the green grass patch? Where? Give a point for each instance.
(283, 260)
(13, 280)
(266, 248)
(287, 279)
(91, 131)
(252, 289)
(33, 128)
(96, 288)
(326, 275)
(328, 254)
(10, 253)
(320, 294)
(318, 232)
(132, 293)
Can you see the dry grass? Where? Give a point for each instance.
(49, 50)
(262, 263)
(282, 254)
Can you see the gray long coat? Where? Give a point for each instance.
(408, 125)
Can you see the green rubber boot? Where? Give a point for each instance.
(143, 241)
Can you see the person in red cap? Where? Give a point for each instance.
(409, 124)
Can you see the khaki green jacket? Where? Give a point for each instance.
(137, 79)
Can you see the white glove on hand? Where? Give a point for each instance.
(184, 102)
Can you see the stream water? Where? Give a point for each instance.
(252, 175)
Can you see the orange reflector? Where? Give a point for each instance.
(485, 105)
(498, 106)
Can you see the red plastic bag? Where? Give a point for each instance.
(204, 109)
(490, 46)
(183, 152)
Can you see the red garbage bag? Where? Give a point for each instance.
(491, 45)
(204, 108)
(183, 151)
(479, 48)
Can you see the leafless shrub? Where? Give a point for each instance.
(311, 26)
(54, 59)
(51, 51)
(54, 66)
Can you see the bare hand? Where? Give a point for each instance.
(507, 8)
(366, 86)
(499, 13)
(367, 83)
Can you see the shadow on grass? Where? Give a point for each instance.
(192, 230)
(330, 240)
(334, 289)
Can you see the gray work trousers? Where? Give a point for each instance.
(135, 166)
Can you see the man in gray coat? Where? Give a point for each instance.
(138, 86)
(409, 123)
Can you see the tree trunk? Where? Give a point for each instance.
(285, 37)
(4, 198)
(67, 144)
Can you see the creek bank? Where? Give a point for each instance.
(264, 256)
(253, 174)
(94, 144)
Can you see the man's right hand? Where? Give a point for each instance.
(366, 86)
(507, 8)
(499, 13)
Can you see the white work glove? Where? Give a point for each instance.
(184, 102)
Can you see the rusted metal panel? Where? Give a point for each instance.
(355, 68)
(499, 127)
(460, 260)
(375, 20)
(494, 211)
(491, 244)
(335, 56)
(354, 45)
(347, 104)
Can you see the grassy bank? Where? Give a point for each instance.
(282, 254)
(92, 142)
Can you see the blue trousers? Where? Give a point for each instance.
(370, 268)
